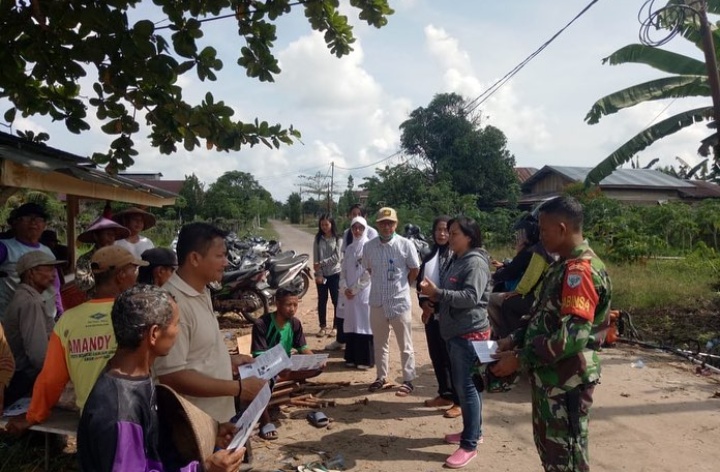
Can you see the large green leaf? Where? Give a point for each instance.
(657, 58)
(668, 87)
(644, 139)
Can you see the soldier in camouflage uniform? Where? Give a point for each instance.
(559, 340)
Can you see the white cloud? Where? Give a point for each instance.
(316, 80)
(28, 124)
(523, 125)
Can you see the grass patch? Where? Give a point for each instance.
(27, 454)
(659, 284)
(672, 300)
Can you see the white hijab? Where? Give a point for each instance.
(358, 243)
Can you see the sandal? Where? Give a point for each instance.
(377, 385)
(268, 432)
(453, 412)
(318, 419)
(322, 332)
(405, 389)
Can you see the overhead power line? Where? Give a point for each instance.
(372, 164)
(238, 13)
(483, 97)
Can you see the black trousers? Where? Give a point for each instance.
(359, 349)
(440, 358)
(330, 287)
(21, 385)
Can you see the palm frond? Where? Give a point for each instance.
(644, 139)
(668, 87)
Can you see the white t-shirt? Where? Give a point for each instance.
(136, 249)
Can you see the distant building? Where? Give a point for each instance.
(524, 173)
(633, 186)
(154, 179)
(361, 197)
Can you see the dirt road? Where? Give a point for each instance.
(658, 418)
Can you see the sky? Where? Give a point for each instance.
(349, 110)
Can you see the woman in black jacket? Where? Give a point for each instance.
(432, 267)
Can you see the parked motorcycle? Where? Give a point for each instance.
(251, 281)
(414, 234)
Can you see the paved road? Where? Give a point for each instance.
(293, 238)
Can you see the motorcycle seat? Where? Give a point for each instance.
(289, 263)
(282, 257)
(239, 274)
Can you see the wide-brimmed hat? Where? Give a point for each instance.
(193, 431)
(33, 259)
(160, 257)
(100, 224)
(148, 218)
(113, 257)
(27, 209)
(386, 214)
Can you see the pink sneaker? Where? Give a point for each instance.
(454, 438)
(460, 458)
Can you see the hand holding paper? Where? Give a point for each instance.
(485, 350)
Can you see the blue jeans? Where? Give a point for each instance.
(462, 355)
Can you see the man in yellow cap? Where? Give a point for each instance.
(393, 264)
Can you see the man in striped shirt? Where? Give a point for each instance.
(393, 264)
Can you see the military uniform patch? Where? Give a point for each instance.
(574, 280)
(578, 295)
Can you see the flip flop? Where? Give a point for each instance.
(405, 389)
(268, 432)
(318, 419)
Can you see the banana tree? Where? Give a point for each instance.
(688, 79)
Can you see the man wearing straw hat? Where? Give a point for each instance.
(102, 233)
(136, 220)
(128, 422)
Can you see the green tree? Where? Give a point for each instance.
(347, 199)
(688, 78)
(294, 208)
(193, 192)
(312, 207)
(708, 219)
(457, 148)
(237, 196)
(48, 48)
(401, 185)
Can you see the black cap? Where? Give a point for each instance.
(27, 209)
(49, 236)
(160, 257)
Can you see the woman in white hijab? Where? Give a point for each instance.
(355, 291)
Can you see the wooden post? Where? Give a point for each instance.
(73, 208)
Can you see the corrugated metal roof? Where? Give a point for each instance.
(45, 160)
(629, 178)
(702, 189)
(524, 173)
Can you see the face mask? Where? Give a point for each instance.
(382, 238)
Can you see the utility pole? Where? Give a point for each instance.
(332, 187)
(712, 68)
